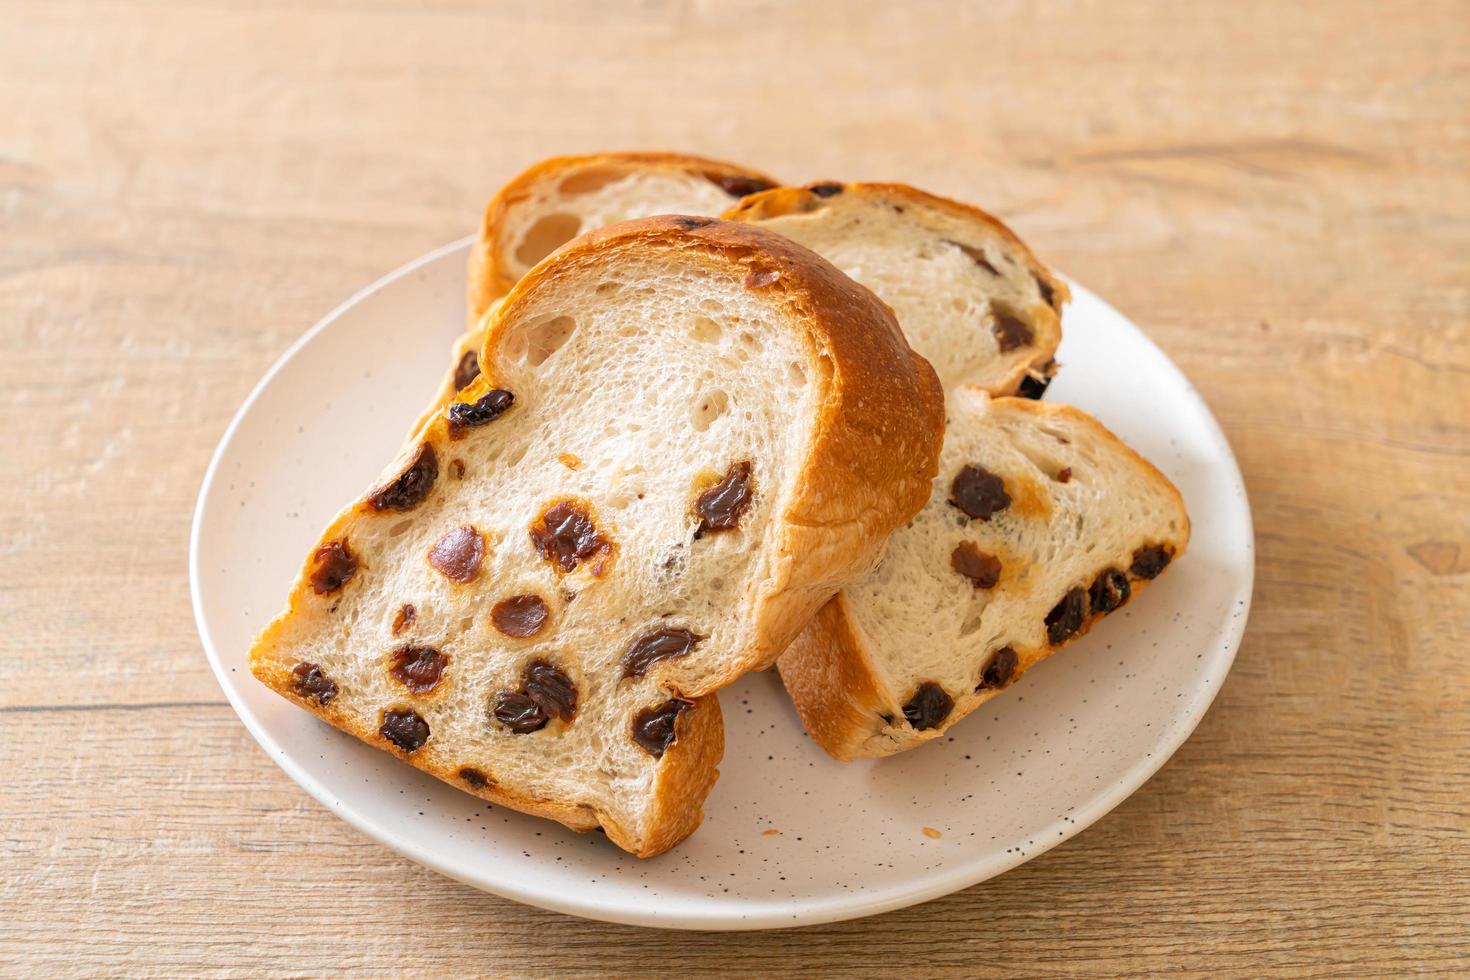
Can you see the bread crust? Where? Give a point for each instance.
(829, 671)
(1044, 317)
(489, 278)
(871, 457)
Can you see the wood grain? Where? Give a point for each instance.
(1278, 192)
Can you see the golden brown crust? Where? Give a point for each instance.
(830, 675)
(869, 465)
(880, 424)
(782, 201)
(488, 277)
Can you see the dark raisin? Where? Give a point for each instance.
(404, 728)
(467, 370)
(1033, 387)
(929, 706)
(551, 689)
(310, 682)
(653, 728)
(411, 486)
(762, 278)
(520, 615)
(331, 566)
(998, 670)
(1109, 590)
(517, 711)
(456, 469)
(405, 618)
(976, 255)
(1010, 330)
(978, 492)
(457, 555)
(474, 778)
(482, 411)
(1149, 562)
(738, 185)
(826, 190)
(719, 508)
(981, 569)
(651, 648)
(689, 224)
(418, 668)
(1064, 475)
(566, 536)
(1048, 294)
(1066, 616)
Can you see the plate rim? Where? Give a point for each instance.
(792, 913)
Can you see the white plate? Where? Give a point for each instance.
(1026, 772)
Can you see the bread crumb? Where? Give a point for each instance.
(932, 834)
(771, 832)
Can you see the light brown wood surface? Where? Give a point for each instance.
(1278, 192)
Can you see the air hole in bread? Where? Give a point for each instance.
(589, 181)
(972, 622)
(710, 406)
(609, 288)
(397, 529)
(705, 330)
(466, 624)
(540, 341)
(546, 236)
(795, 375)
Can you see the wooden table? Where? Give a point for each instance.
(1279, 192)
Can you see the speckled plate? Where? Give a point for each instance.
(790, 837)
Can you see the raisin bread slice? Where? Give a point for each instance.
(553, 201)
(969, 294)
(1041, 522)
(687, 436)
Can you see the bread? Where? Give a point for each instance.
(1041, 522)
(688, 434)
(551, 202)
(970, 296)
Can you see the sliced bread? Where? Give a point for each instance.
(967, 291)
(1041, 521)
(688, 434)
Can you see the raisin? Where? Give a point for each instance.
(405, 618)
(1048, 294)
(467, 370)
(1066, 616)
(689, 224)
(482, 411)
(411, 486)
(653, 728)
(929, 706)
(517, 711)
(520, 615)
(738, 185)
(418, 668)
(1010, 330)
(720, 507)
(457, 555)
(978, 492)
(981, 569)
(998, 670)
(456, 468)
(976, 255)
(404, 728)
(551, 689)
(1064, 475)
(1149, 562)
(1109, 590)
(333, 564)
(761, 279)
(651, 648)
(474, 778)
(566, 536)
(1033, 387)
(310, 682)
(825, 190)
